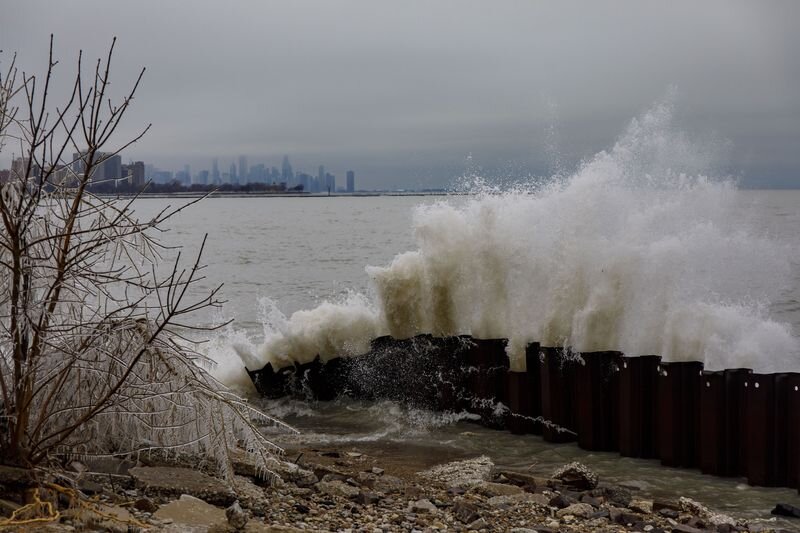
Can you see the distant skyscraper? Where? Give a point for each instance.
(330, 183)
(304, 180)
(112, 166)
(243, 174)
(106, 166)
(19, 168)
(351, 181)
(286, 170)
(136, 177)
(233, 177)
(215, 172)
(321, 174)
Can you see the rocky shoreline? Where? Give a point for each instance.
(337, 490)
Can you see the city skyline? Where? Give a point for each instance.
(242, 172)
(136, 174)
(406, 98)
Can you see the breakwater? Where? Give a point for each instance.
(733, 422)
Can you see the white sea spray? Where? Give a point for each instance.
(640, 250)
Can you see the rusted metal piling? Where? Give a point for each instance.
(783, 382)
(597, 394)
(713, 407)
(638, 386)
(489, 366)
(758, 432)
(557, 374)
(524, 398)
(727, 423)
(734, 381)
(678, 400)
(721, 422)
(793, 432)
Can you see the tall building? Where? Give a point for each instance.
(351, 181)
(112, 167)
(321, 174)
(243, 174)
(257, 173)
(330, 183)
(136, 176)
(105, 166)
(215, 180)
(286, 170)
(233, 178)
(304, 180)
(162, 176)
(202, 177)
(19, 167)
(183, 178)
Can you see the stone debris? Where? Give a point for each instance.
(641, 506)
(461, 473)
(581, 510)
(337, 488)
(356, 494)
(237, 517)
(190, 511)
(465, 512)
(716, 519)
(389, 484)
(577, 476)
(509, 500)
(490, 489)
(289, 472)
(145, 505)
(422, 506)
(166, 481)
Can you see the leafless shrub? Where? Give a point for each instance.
(92, 325)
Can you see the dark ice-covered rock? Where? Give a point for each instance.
(784, 509)
(577, 476)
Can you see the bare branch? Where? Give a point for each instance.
(94, 328)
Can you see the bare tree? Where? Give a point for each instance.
(93, 351)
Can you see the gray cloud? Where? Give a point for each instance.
(403, 91)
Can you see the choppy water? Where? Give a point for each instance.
(642, 250)
(302, 251)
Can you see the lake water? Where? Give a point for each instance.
(301, 252)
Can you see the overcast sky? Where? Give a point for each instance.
(403, 91)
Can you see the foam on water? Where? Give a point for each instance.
(329, 330)
(638, 251)
(381, 420)
(231, 351)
